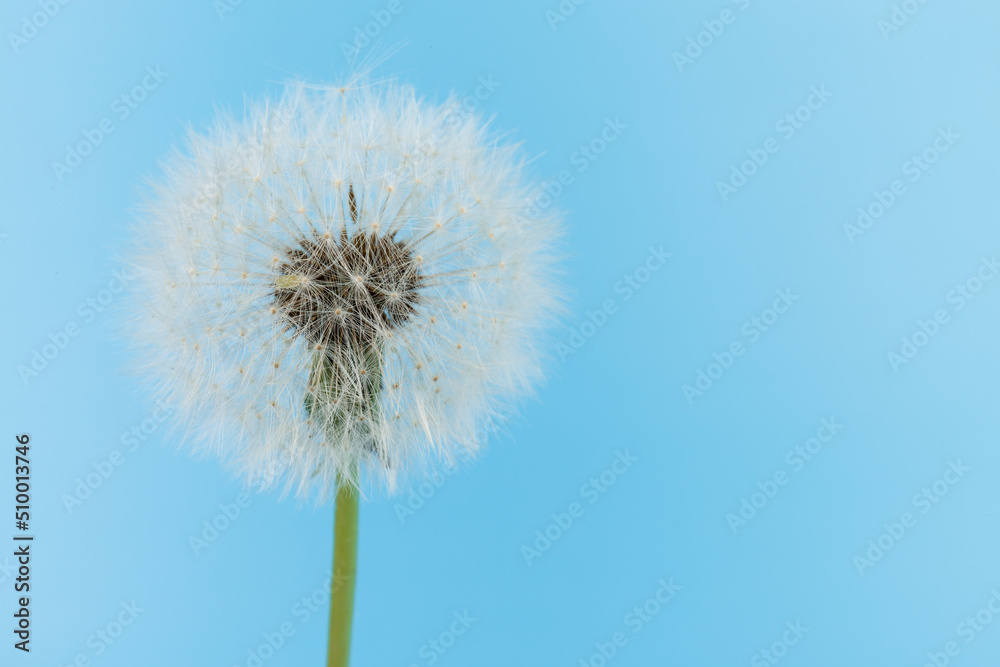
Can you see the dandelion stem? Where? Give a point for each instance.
(332, 402)
(345, 562)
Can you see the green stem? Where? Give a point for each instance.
(334, 400)
(345, 563)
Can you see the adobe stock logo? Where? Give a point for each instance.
(585, 155)
(969, 629)
(628, 286)
(961, 295)
(310, 606)
(637, 619)
(223, 7)
(797, 458)
(220, 523)
(924, 501)
(88, 310)
(433, 650)
(363, 35)
(592, 490)
(786, 126)
(779, 649)
(704, 39)
(562, 13)
(900, 16)
(753, 329)
(105, 637)
(105, 468)
(434, 480)
(913, 169)
(37, 21)
(122, 108)
(458, 111)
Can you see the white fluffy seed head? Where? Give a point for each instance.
(347, 277)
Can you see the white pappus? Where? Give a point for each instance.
(347, 277)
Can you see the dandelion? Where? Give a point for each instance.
(348, 279)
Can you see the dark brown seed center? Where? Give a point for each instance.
(347, 292)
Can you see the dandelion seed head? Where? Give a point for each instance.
(345, 278)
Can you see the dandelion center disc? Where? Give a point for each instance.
(343, 294)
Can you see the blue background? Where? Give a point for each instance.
(656, 184)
